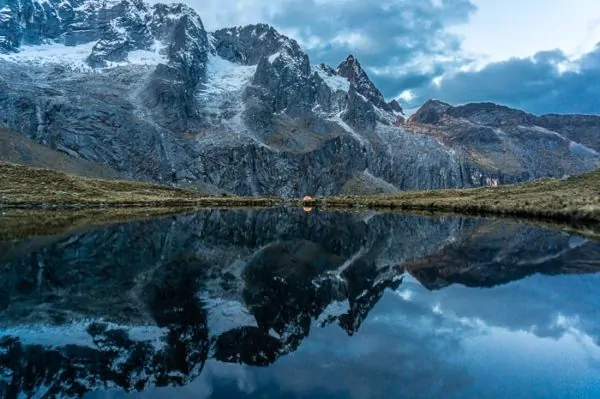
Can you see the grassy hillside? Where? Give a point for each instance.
(26, 187)
(576, 198)
(21, 185)
(18, 149)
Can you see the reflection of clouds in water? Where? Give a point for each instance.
(241, 378)
(456, 342)
(541, 327)
(533, 304)
(392, 355)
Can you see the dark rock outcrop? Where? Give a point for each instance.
(395, 106)
(351, 69)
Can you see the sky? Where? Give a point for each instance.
(538, 55)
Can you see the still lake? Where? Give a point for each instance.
(284, 303)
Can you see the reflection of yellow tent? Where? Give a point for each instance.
(306, 199)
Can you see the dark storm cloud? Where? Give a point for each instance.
(539, 84)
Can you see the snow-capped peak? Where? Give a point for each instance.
(331, 78)
(351, 69)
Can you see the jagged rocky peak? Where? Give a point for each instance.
(430, 113)
(181, 29)
(166, 33)
(173, 31)
(249, 44)
(351, 69)
(396, 107)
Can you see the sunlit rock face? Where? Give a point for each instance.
(146, 90)
(145, 304)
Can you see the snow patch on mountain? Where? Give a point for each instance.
(223, 92)
(273, 57)
(582, 150)
(52, 53)
(338, 119)
(333, 311)
(75, 57)
(224, 77)
(5, 14)
(225, 315)
(94, 4)
(335, 82)
(576, 149)
(77, 334)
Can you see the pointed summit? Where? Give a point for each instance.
(351, 69)
(431, 112)
(396, 107)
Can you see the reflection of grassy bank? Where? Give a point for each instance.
(22, 223)
(48, 226)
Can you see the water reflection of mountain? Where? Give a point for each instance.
(146, 304)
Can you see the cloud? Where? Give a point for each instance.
(547, 82)
(401, 43)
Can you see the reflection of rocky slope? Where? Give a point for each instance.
(142, 304)
(236, 286)
(147, 91)
(499, 253)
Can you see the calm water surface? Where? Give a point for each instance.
(288, 304)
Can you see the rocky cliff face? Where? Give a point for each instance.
(517, 145)
(148, 92)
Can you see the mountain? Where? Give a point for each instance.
(509, 140)
(244, 287)
(148, 92)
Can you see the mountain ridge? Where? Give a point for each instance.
(147, 91)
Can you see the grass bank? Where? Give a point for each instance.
(26, 187)
(576, 199)
(573, 199)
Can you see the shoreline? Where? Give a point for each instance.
(326, 203)
(18, 223)
(572, 200)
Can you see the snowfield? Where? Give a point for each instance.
(75, 57)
